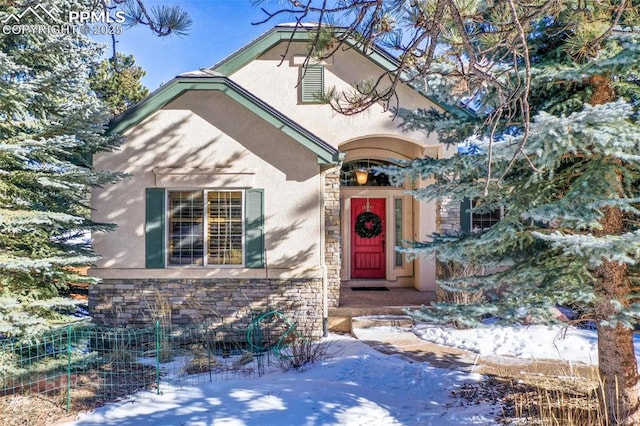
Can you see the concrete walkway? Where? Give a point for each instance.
(407, 344)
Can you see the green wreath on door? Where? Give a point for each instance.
(368, 225)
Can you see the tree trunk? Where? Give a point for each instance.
(617, 362)
(616, 355)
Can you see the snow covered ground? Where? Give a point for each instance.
(356, 386)
(530, 342)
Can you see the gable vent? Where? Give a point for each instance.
(312, 83)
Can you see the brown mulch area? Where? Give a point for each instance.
(527, 394)
(29, 410)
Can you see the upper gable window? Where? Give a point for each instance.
(312, 84)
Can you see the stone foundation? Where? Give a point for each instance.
(447, 216)
(215, 302)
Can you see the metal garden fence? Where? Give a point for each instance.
(83, 365)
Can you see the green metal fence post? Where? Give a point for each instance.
(158, 356)
(68, 368)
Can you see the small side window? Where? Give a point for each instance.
(473, 220)
(485, 220)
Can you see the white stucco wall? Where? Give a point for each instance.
(277, 84)
(227, 147)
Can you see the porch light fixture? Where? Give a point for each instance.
(362, 176)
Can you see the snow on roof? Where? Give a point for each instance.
(201, 73)
(298, 24)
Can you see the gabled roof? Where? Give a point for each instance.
(207, 80)
(285, 33)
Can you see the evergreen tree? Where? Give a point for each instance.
(162, 20)
(50, 124)
(117, 82)
(556, 89)
(52, 119)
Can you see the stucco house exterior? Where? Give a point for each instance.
(242, 192)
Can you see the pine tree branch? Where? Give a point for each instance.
(595, 44)
(524, 94)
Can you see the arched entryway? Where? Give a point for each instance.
(377, 216)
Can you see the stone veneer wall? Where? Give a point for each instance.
(216, 302)
(332, 237)
(447, 216)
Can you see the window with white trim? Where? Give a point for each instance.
(220, 213)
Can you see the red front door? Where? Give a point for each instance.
(367, 246)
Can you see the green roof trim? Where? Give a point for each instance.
(281, 34)
(179, 85)
(257, 47)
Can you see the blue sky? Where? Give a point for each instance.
(219, 28)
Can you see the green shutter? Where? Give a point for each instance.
(254, 228)
(465, 216)
(312, 83)
(154, 228)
